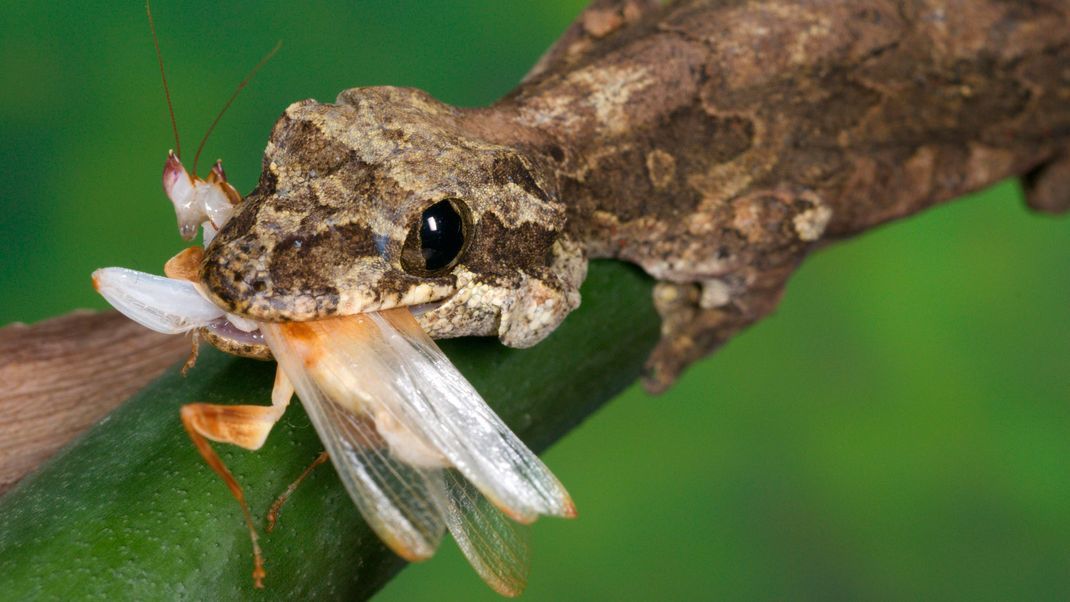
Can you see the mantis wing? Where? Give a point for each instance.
(394, 496)
(415, 444)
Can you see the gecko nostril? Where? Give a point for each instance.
(259, 285)
(557, 153)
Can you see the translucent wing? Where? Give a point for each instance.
(495, 546)
(415, 444)
(417, 387)
(452, 415)
(397, 499)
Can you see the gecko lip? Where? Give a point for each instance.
(223, 334)
(224, 330)
(259, 298)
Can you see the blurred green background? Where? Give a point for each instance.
(899, 430)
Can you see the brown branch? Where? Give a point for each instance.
(717, 143)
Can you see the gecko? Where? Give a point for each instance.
(712, 143)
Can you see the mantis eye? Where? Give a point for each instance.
(436, 242)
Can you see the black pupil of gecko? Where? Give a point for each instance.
(441, 235)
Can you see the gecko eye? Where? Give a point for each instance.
(436, 242)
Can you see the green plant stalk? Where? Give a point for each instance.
(130, 511)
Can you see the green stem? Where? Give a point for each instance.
(130, 511)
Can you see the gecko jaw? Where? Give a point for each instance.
(228, 336)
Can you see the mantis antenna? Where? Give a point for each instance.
(163, 76)
(167, 90)
(226, 106)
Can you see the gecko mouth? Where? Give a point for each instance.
(173, 306)
(227, 330)
(223, 332)
(225, 327)
(422, 308)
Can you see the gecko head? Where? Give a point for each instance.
(390, 198)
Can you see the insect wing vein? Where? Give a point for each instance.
(497, 548)
(441, 406)
(394, 497)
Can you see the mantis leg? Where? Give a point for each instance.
(244, 426)
(273, 514)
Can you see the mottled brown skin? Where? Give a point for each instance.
(712, 143)
(343, 184)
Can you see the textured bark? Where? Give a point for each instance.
(715, 143)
